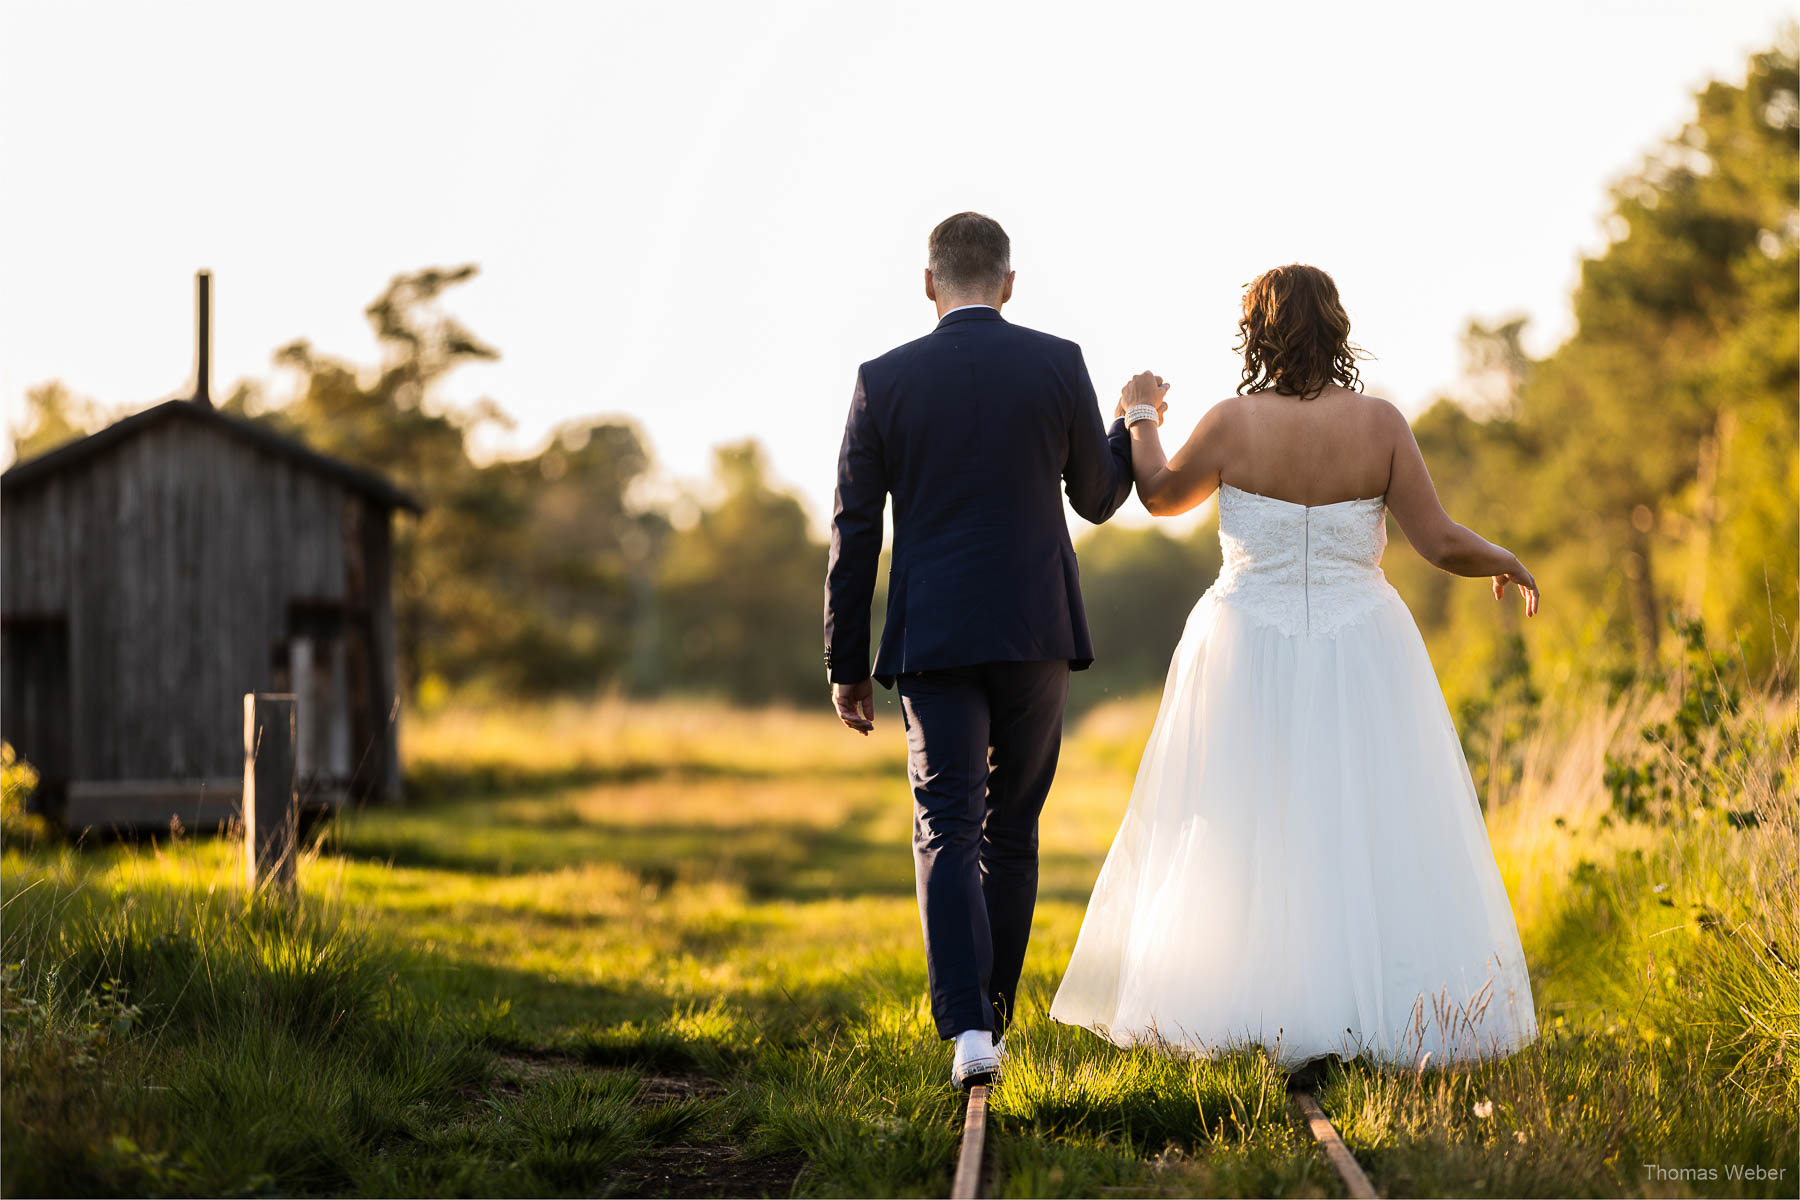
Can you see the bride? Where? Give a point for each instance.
(1303, 862)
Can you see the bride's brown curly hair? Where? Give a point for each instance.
(1295, 335)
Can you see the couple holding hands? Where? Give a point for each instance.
(1302, 864)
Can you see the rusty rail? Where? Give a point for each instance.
(974, 1145)
(1336, 1153)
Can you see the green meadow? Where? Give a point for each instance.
(673, 949)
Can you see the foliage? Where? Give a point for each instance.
(739, 605)
(525, 575)
(1494, 725)
(83, 1024)
(53, 415)
(1649, 461)
(18, 825)
(1703, 748)
(1138, 586)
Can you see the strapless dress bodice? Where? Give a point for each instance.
(1306, 569)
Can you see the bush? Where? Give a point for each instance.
(18, 779)
(1708, 753)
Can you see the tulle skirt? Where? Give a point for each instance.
(1303, 864)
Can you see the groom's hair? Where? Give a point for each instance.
(969, 253)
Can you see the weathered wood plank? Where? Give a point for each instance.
(132, 804)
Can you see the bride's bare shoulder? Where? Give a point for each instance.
(1227, 411)
(1220, 424)
(1377, 410)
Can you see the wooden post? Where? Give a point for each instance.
(271, 818)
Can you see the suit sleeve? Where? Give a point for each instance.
(855, 544)
(1097, 475)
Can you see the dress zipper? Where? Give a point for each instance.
(1306, 567)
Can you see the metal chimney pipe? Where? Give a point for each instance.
(203, 364)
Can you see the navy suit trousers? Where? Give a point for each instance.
(982, 743)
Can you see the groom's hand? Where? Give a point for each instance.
(855, 704)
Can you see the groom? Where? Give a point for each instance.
(972, 429)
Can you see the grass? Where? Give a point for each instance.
(673, 949)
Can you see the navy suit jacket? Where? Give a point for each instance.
(972, 429)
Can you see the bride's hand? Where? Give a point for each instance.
(1520, 578)
(1146, 387)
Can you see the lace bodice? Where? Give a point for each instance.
(1304, 569)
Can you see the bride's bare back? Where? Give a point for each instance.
(1337, 446)
(1340, 445)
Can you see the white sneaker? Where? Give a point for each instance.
(977, 1058)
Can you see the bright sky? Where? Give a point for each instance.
(705, 215)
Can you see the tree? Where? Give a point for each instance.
(524, 575)
(1686, 331)
(53, 415)
(1138, 586)
(740, 599)
(1649, 462)
(583, 561)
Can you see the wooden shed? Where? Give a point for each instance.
(153, 573)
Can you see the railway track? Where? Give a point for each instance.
(970, 1159)
(1356, 1183)
(967, 1184)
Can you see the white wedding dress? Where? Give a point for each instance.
(1303, 863)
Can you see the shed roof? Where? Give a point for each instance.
(368, 483)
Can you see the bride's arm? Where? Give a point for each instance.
(1413, 500)
(1169, 486)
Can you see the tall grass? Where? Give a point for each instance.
(163, 1035)
(1663, 956)
(465, 748)
(1691, 923)
(674, 949)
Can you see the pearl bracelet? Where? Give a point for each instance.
(1139, 412)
